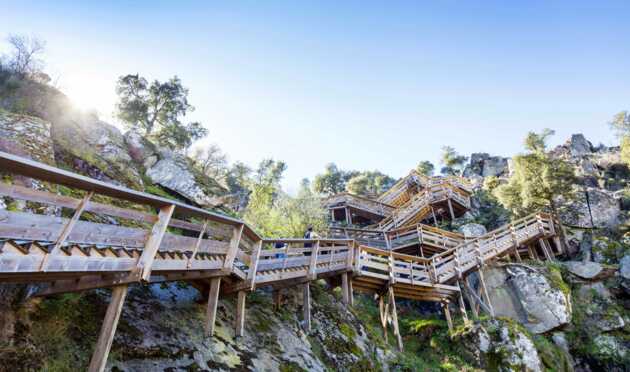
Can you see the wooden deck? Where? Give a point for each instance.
(71, 243)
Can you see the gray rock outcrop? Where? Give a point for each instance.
(472, 230)
(484, 165)
(524, 294)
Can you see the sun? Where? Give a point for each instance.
(91, 93)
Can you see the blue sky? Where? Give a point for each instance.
(367, 85)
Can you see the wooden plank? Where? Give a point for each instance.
(198, 244)
(392, 301)
(240, 313)
(108, 329)
(213, 301)
(143, 267)
(312, 269)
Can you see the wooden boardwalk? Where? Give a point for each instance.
(72, 243)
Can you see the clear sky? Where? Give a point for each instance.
(367, 85)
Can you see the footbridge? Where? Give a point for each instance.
(66, 232)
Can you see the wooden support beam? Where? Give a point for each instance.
(67, 229)
(462, 305)
(558, 243)
(240, 313)
(383, 309)
(276, 295)
(306, 305)
(484, 292)
(143, 267)
(108, 329)
(230, 256)
(392, 301)
(447, 315)
(345, 291)
(544, 249)
(450, 209)
(350, 292)
(213, 301)
(463, 285)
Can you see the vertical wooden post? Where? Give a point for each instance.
(306, 304)
(392, 301)
(469, 297)
(558, 244)
(450, 209)
(462, 305)
(312, 266)
(447, 315)
(67, 229)
(350, 292)
(230, 256)
(434, 218)
(253, 267)
(383, 309)
(240, 313)
(213, 301)
(143, 266)
(106, 336)
(545, 251)
(277, 299)
(345, 291)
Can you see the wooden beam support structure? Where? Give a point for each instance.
(240, 313)
(447, 315)
(484, 291)
(345, 290)
(108, 329)
(213, 302)
(253, 267)
(392, 301)
(306, 306)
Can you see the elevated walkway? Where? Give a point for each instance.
(72, 243)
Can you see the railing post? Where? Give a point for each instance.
(253, 267)
(145, 262)
(230, 256)
(312, 268)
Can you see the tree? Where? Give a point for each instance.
(212, 162)
(452, 161)
(538, 180)
(332, 181)
(369, 183)
(156, 110)
(25, 55)
(621, 124)
(425, 167)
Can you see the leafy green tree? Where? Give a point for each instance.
(453, 163)
(621, 124)
(425, 167)
(333, 180)
(156, 109)
(538, 179)
(370, 183)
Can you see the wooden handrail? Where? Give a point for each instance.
(33, 169)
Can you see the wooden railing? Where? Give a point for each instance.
(359, 202)
(424, 235)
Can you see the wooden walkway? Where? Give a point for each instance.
(72, 243)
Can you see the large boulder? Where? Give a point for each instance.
(95, 148)
(585, 270)
(624, 267)
(526, 294)
(497, 345)
(141, 150)
(579, 146)
(604, 208)
(175, 172)
(484, 165)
